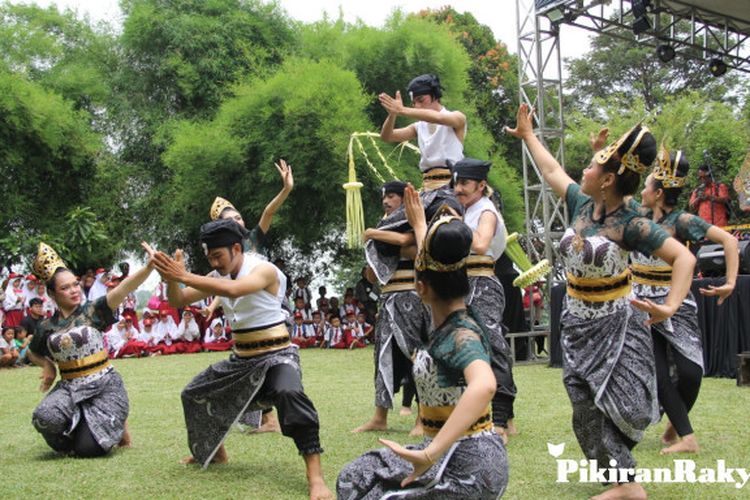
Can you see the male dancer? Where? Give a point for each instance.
(486, 297)
(264, 368)
(402, 318)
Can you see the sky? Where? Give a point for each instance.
(499, 15)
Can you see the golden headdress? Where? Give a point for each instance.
(425, 261)
(628, 160)
(47, 262)
(666, 171)
(218, 206)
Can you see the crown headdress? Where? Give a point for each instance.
(666, 171)
(47, 262)
(629, 159)
(218, 206)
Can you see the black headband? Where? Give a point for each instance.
(221, 233)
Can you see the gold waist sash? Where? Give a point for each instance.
(599, 289)
(435, 178)
(256, 341)
(651, 275)
(401, 281)
(480, 265)
(434, 417)
(88, 365)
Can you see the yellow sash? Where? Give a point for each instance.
(253, 342)
(78, 368)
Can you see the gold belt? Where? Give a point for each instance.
(435, 178)
(480, 265)
(401, 281)
(599, 289)
(255, 341)
(651, 275)
(434, 417)
(88, 365)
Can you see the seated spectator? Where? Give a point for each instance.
(133, 346)
(36, 314)
(115, 339)
(166, 331)
(216, 338)
(321, 325)
(22, 340)
(188, 336)
(8, 352)
(367, 329)
(349, 304)
(301, 291)
(334, 308)
(14, 301)
(150, 337)
(303, 310)
(355, 337)
(334, 336)
(303, 335)
(48, 304)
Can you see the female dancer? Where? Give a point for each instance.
(85, 413)
(680, 336)
(608, 363)
(462, 456)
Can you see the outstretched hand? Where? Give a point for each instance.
(286, 174)
(418, 459)
(524, 126)
(721, 291)
(414, 209)
(170, 268)
(598, 141)
(394, 105)
(656, 312)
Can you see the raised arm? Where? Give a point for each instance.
(390, 237)
(415, 215)
(286, 176)
(128, 285)
(389, 132)
(551, 170)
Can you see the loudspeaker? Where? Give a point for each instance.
(711, 260)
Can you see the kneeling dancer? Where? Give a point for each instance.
(264, 368)
(462, 456)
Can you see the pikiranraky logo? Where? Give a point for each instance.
(682, 471)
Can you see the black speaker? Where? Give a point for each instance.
(711, 259)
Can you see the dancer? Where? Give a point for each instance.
(85, 414)
(462, 456)
(402, 319)
(264, 369)
(608, 363)
(487, 298)
(680, 336)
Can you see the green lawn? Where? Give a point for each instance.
(340, 385)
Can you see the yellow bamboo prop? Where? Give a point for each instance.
(530, 274)
(355, 217)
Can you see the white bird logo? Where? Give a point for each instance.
(555, 449)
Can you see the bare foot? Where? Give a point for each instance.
(268, 423)
(688, 444)
(417, 430)
(502, 433)
(319, 490)
(125, 441)
(512, 430)
(219, 458)
(372, 425)
(670, 434)
(405, 411)
(625, 491)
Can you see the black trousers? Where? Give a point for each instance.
(677, 398)
(297, 415)
(81, 443)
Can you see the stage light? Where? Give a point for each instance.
(717, 67)
(665, 53)
(555, 15)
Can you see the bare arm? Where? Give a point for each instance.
(129, 284)
(389, 132)
(391, 237)
(484, 233)
(552, 171)
(415, 215)
(732, 258)
(395, 107)
(49, 370)
(474, 401)
(286, 176)
(682, 261)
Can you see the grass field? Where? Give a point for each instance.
(340, 384)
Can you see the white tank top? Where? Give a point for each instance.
(471, 219)
(437, 144)
(256, 309)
